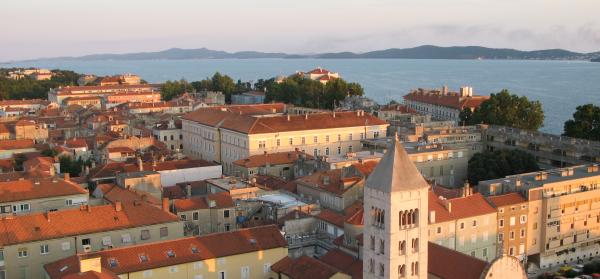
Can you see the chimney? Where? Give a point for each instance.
(118, 206)
(466, 191)
(445, 90)
(90, 264)
(140, 164)
(306, 116)
(165, 205)
(431, 216)
(288, 117)
(448, 205)
(334, 114)
(67, 176)
(188, 190)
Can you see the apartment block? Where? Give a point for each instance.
(28, 242)
(442, 104)
(231, 133)
(244, 254)
(209, 214)
(563, 220)
(513, 211)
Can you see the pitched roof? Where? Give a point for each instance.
(506, 199)
(450, 264)
(277, 158)
(16, 144)
(249, 124)
(28, 189)
(113, 193)
(50, 225)
(185, 250)
(109, 169)
(330, 181)
(396, 172)
(463, 207)
(332, 217)
(304, 267)
(343, 261)
(222, 200)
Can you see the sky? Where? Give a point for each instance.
(41, 28)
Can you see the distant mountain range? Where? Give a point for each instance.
(420, 52)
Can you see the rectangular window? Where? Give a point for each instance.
(86, 241)
(291, 141)
(22, 253)
(106, 240)
(226, 213)
(44, 249)
(512, 221)
(267, 268)
(327, 138)
(173, 269)
(69, 202)
(315, 139)
(195, 216)
(145, 235)
(222, 275)
(501, 223)
(65, 246)
(126, 238)
(164, 232)
(523, 219)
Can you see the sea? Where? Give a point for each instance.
(560, 86)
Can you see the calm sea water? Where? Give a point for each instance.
(559, 85)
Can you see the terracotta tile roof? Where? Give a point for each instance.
(365, 168)
(27, 189)
(4, 129)
(304, 267)
(450, 264)
(113, 193)
(275, 183)
(319, 71)
(16, 144)
(452, 100)
(506, 199)
(108, 170)
(336, 184)
(105, 274)
(463, 207)
(185, 250)
(345, 262)
(278, 158)
(7, 165)
(71, 222)
(448, 193)
(76, 143)
(222, 200)
(281, 123)
(122, 149)
(357, 218)
(332, 217)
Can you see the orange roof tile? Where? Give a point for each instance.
(450, 264)
(71, 222)
(506, 199)
(222, 200)
(185, 250)
(345, 262)
(332, 217)
(27, 189)
(113, 193)
(335, 185)
(304, 267)
(16, 144)
(452, 100)
(463, 207)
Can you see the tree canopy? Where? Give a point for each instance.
(506, 109)
(26, 88)
(491, 165)
(172, 89)
(585, 123)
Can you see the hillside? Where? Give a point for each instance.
(420, 52)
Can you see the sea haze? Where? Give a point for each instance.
(560, 85)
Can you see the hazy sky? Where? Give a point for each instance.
(44, 28)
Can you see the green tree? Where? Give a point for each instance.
(585, 123)
(173, 89)
(466, 117)
(510, 110)
(491, 165)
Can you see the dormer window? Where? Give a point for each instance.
(170, 254)
(143, 258)
(194, 250)
(112, 262)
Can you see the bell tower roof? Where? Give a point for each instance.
(395, 172)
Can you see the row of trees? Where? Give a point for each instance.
(27, 88)
(295, 90)
(491, 165)
(506, 109)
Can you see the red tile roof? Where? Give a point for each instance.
(345, 262)
(332, 217)
(27, 189)
(71, 222)
(336, 184)
(506, 199)
(463, 207)
(304, 267)
(113, 193)
(222, 200)
(16, 144)
(108, 170)
(399, 108)
(76, 143)
(280, 123)
(185, 250)
(450, 264)
(452, 100)
(278, 158)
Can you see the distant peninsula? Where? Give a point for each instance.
(420, 52)
(596, 59)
